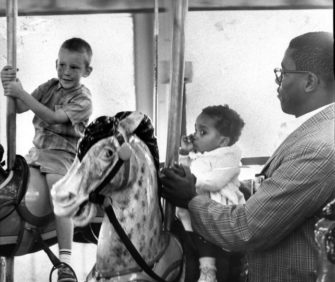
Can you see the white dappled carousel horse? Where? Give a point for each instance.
(124, 144)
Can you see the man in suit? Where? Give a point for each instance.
(276, 225)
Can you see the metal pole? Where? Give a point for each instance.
(7, 264)
(176, 96)
(6, 269)
(2, 269)
(12, 13)
(155, 92)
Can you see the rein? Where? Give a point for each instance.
(106, 204)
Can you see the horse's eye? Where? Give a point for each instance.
(108, 153)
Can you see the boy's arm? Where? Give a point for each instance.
(20, 106)
(8, 74)
(26, 101)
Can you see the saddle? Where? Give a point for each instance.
(13, 186)
(18, 228)
(26, 214)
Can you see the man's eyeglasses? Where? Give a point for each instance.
(279, 73)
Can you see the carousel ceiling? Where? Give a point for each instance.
(59, 7)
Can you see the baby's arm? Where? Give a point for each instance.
(215, 172)
(215, 179)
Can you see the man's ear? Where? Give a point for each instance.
(88, 71)
(56, 64)
(312, 82)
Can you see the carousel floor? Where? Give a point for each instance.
(36, 267)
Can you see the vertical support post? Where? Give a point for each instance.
(12, 13)
(155, 92)
(176, 96)
(2, 269)
(7, 264)
(10, 269)
(6, 269)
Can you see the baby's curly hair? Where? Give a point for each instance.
(227, 121)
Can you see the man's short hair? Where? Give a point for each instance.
(227, 121)
(314, 52)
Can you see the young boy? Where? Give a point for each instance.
(62, 108)
(214, 159)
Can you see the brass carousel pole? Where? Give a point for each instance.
(176, 95)
(11, 60)
(155, 92)
(7, 264)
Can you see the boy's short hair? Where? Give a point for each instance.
(227, 121)
(78, 45)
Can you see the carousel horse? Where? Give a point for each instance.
(26, 217)
(325, 239)
(116, 167)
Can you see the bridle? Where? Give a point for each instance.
(124, 150)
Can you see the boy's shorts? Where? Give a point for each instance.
(50, 161)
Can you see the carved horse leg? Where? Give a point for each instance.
(6, 269)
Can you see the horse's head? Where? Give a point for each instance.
(117, 164)
(111, 157)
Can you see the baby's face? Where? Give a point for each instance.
(206, 136)
(71, 67)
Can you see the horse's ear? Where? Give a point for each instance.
(139, 124)
(125, 152)
(131, 122)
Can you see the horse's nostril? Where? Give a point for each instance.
(63, 196)
(71, 196)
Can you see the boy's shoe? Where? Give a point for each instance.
(207, 274)
(65, 274)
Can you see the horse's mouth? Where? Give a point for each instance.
(81, 209)
(85, 212)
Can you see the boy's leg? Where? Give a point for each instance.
(64, 229)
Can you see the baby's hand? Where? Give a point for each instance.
(187, 143)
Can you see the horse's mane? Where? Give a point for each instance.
(105, 126)
(146, 132)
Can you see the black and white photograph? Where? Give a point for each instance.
(167, 141)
